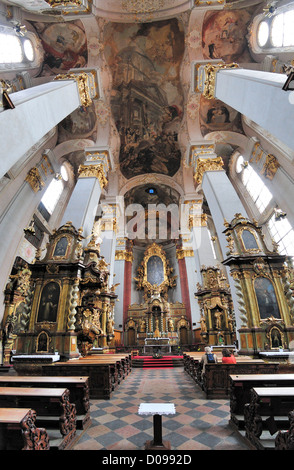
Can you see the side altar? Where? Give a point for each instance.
(61, 304)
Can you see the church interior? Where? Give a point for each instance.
(146, 183)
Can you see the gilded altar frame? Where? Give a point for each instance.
(142, 279)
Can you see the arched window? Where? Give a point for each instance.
(274, 30)
(52, 194)
(279, 227)
(258, 191)
(283, 234)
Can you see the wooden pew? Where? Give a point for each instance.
(284, 440)
(18, 430)
(215, 382)
(266, 414)
(100, 375)
(125, 359)
(102, 370)
(54, 411)
(240, 386)
(78, 391)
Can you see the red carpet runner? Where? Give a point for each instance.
(149, 362)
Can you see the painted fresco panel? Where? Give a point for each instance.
(147, 100)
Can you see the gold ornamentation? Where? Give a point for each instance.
(210, 78)
(184, 253)
(270, 167)
(168, 280)
(197, 220)
(64, 3)
(202, 3)
(207, 164)
(82, 80)
(93, 171)
(34, 179)
(124, 255)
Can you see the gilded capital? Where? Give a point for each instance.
(184, 253)
(207, 164)
(210, 78)
(124, 255)
(198, 220)
(82, 80)
(93, 171)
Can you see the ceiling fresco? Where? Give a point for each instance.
(147, 100)
(224, 36)
(65, 46)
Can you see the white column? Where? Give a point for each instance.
(256, 94)
(17, 215)
(83, 204)
(37, 110)
(222, 199)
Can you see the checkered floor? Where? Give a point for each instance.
(199, 424)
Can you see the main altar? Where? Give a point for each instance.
(156, 324)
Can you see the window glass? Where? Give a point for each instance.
(277, 31)
(10, 49)
(52, 195)
(263, 33)
(258, 191)
(283, 234)
(64, 173)
(28, 50)
(288, 28)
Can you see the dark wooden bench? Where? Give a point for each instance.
(266, 414)
(102, 372)
(240, 386)
(78, 391)
(284, 440)
(191, 362)
(215, 382)
(18, 430)
(100, 375)
(54, 411)
(124, 361)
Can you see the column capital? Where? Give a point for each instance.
(207, 164)
(204, 74)
(200, 149)
(87, 83)
(71, 7)
(211, 5)
(93, 171)
(99, 155)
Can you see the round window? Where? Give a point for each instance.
(28, 50)
(263, 33)
(239, 164)
(64, 173)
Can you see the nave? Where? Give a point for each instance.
(199, 424)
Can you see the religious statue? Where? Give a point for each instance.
(203, 324)
(218, 319)
(142, 326)
(156, 333)
(170, 325)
